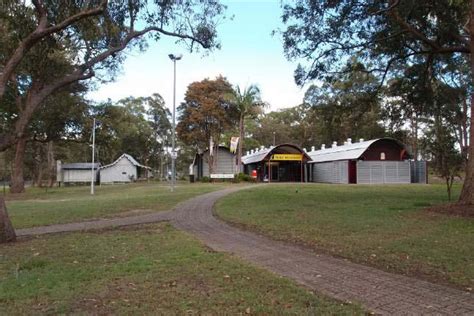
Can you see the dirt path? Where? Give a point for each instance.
(378, 291)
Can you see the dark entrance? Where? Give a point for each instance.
(283, 171)
(352, 171)
(282, 163)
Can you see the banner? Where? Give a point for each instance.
(287, 157)
(234, 141)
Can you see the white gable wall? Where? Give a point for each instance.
(121, 171)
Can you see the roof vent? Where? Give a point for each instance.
(349, 141)
(251, 151)
(247, 153)
(361, 140)
(323, 146)
(334, 144)
(345, 143)
(304, 149)
(312, 148)
(262, 147)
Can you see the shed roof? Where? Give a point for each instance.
(79, 166)
(263, 153)
(346, 152)
(126, 156)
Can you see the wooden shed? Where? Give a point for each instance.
(226, 164)
(79, 172)
(124, 169)
(383, 160)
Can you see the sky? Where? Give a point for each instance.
(249, 55)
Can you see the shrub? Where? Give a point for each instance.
(205, 179)
(244, 177)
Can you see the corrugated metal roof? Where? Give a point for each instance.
(261, 154)
(344, 152)
(130, 158)
(79, 166)
(256, 156)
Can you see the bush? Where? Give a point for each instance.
(205, 179)
(244, 177)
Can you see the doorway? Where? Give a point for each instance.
(353, 171)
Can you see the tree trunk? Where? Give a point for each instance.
(51, 165)
(7, 233)
(17, 182)
(241, 139)
(467, 193)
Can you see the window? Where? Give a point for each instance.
(124, 172)
(382, 156)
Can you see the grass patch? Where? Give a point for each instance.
(382, 226)
(151, 270)
(38, 207)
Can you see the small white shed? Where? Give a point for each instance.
(124, 169)
(79, 172)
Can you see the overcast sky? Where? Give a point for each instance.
(249, 55)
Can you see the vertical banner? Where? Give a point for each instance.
(234, 141)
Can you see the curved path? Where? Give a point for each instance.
(378, 291)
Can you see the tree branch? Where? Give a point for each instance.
(390, 7)
(38, 34)
(420, 36)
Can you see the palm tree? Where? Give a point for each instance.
(248, 103)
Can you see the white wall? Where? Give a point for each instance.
(119, 172)
(77, 175)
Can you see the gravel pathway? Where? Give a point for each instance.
(378, 291)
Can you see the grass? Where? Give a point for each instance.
(151, 269)
(38, 207)
(382, 226)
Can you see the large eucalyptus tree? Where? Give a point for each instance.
(88, 39)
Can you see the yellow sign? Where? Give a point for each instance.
(287, 157)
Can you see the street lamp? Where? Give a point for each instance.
(174, 58)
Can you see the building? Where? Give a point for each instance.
(80, 172)
(285, 162)
(377, 161)
(124, 169)
(383, 160)
(226, 164)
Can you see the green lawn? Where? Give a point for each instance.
(151, 269)
(382, 226)
(39, 207)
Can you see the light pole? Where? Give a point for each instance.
(93, 156)
(174, 58)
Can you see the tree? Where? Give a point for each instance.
(89, 38)
(159, 118)
(383, 35)
(447, 160)
(346, 106)
(248, 103)
(206, 114)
